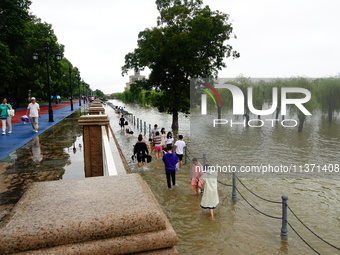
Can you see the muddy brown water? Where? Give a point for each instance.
(237, 228)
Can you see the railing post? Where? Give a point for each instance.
(134, 121)
(185, 155)
(149, 128)
(137, 123)
(141, 125)
(144, 128)
(234, 193)
(204, 159)
(93, 143)
(284, 229)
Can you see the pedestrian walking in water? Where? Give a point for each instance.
(152, 136)
(163, 142)
(122, 122)
(157, 141)
(5, 117)
(179, 149)
(141, 151)
(170, 160)
(169, 141)
(143, 140)
(196, 176)
(33, 112)
(210, 197)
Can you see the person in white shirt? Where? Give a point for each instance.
(33, 112)
(169, 141)
(179, 149)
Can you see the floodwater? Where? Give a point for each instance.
(238, 228)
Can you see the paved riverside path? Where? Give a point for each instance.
(23, 133)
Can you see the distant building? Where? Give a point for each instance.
(132, 78)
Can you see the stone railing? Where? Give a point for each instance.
(109, 166)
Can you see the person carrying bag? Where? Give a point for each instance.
(6, 113)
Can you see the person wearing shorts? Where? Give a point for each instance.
(140, 150)
(179, 149)
(122, 122)
(158, 144)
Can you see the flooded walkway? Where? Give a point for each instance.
(237, 228)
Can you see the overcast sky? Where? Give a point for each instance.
(275, 38)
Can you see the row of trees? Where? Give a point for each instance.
(325, 95)
(21, 34)
(140, 96)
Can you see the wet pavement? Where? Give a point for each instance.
(23, 133)
(28, 157)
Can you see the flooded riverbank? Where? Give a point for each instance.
(238, 228)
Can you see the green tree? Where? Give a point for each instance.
(14, 17)
(259, 95)
(99, 93)
(329, 96)
(311, 105)
(188, 42)
(42, 33)
(21, 33)
(277, 83)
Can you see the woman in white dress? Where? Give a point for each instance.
(210, 197)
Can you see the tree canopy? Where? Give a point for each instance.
(21, 35)
(188, 42)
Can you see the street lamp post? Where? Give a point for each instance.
(83, 91)
(46, 49)
(78, 76)
(70, 71)
(29, 95)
